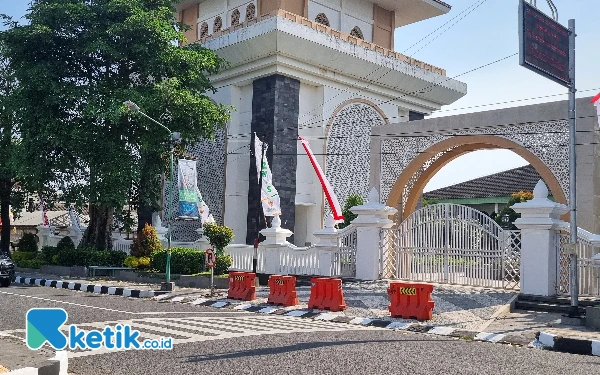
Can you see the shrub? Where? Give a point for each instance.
(183, 261)
(353, 200)
(50, 254)
(131, 261)
(28, 243)
(223, 263)
(19, 256)
(90, 257)
(135, 262)
(146, 243)
(65, 244)
(219, 236)
(30, 263)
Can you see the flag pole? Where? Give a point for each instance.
(260, 175)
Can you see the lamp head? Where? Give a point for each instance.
(132, 106)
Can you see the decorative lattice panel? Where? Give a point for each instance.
(211, 159)
(347, 163)
(546, 140)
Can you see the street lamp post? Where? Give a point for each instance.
(173, 137)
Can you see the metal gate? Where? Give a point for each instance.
(589, 267)
(450, 243)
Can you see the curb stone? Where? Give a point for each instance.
(568, 345)
(54, 366)
(91, 288)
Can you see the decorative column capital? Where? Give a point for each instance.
(539, 212)
(373, 213)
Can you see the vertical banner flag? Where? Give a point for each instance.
(269, 196)
(596, 102)
(202, 208)
(188, 189)
(329, 193)
(45, 221)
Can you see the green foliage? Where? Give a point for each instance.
(65, 244)
(137, 262)
(76, 62)
(31, 263)
(183, 261)
(90, 257)
(521, 196)
(219, 236)
(50, 254)
(28, 243)
(146, 243)
(224, 261)
(353, 200)
(429, 202)
(18, 256)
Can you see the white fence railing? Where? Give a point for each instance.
(344, 262)
(298, 260)
(242, 256)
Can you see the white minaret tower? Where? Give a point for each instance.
(322, 69)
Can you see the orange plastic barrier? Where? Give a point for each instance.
(326, 294)
(282, 290)
(241, 286)
(411, 300)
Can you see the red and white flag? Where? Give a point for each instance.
(45, 220)
(596, 102)
(329, 193)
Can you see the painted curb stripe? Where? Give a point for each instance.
(53, 283)
(118, 291)
(399, 325)
(491, 337)
(37, 282)
(325, 317)
(595, 348)
(573, 346)
(296, 313)
(546, 339)
(442, 331)
(82, 287)
(90, 288)
(219, 304)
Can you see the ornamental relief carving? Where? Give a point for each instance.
(546, 140)
(347, 163)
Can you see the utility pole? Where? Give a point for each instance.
(574, 282)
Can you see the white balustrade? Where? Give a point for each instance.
(242, 256)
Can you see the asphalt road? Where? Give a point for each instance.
(257, 343)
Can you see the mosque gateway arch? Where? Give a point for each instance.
(404, 157)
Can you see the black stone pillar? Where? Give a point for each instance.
(275, 109)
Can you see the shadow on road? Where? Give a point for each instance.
(294, 348)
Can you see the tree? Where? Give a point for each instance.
(77, 61)
(521, 196)
(351, 201)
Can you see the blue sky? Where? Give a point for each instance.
(489, 33)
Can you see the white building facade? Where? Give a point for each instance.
(324, 70)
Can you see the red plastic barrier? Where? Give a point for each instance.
(326, 294)
(241, 286)
(282, 290)
(411, 300)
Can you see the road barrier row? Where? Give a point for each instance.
(326, 294)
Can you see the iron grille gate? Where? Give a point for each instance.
(450, 243)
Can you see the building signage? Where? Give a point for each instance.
(543, 44)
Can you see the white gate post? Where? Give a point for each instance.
(372, 217)
(327, 246)
(275, 239)
(44, 232)
(539, 254)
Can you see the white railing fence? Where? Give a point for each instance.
(242, 256)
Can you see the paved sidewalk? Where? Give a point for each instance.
(14, 355)
(526, 324)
